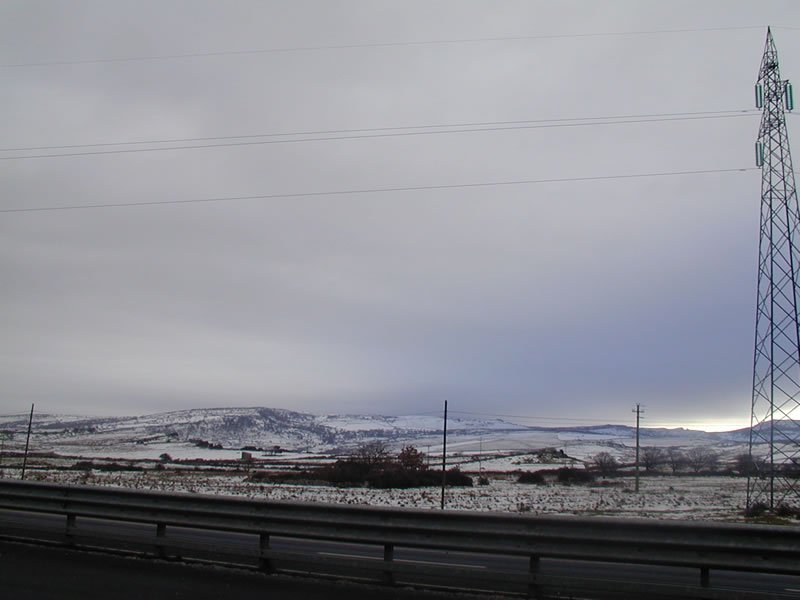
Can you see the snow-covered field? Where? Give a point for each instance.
(663, 497)
(268, 428)
(503, 451)
(201, 451)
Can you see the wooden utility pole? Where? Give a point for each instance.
(444, 453)
(27, 443)
(638, 410)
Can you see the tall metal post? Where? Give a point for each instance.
(444, 453)
(480, 457)
(27, 443)
(638, 412)
(775, 416)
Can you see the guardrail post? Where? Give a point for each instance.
(70, 530)
(264, 563)
(533, 587)
(705, 577)
(161, 532)
(388, 557)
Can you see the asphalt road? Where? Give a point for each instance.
(243, 549)
(34, 572)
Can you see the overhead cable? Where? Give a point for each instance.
(290, 49)
(372, 129)
(366, 191)
(390, 134)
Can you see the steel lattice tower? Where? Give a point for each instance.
(775, 418)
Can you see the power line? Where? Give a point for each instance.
(368, 136)
(710, 113)
(571, 419)
(531, 417)
(375, 45)
(376, 190)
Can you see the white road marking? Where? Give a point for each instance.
(402, 560)
(340, 555)
(445, 564)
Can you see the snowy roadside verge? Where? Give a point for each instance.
(715, 498)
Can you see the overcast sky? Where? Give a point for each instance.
(570, 299)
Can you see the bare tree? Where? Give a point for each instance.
(676, 459)
(652, 457)
(702, 458)
(605, 463)
(371, 454)
(745, 465)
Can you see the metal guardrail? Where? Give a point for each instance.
(702, 546)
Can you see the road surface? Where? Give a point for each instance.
(242, 549)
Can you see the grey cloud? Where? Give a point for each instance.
(562, 300)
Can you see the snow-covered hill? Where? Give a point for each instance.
(267, 428)
(239, 427)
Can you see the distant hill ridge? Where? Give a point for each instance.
(268, 427)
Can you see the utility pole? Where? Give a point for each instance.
(774, 437)
(444, 453)
(638, 410)
(27, 443)
(480, 457)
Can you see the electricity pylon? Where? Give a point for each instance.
(773, 478)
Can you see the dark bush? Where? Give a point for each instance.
(535, 478)
(259, 476)
(371, 464)
(570, 475)
(786, 511)
(345, 471)
(206, 444)
(284, 477)
(756, 509)
(791, 469)
(87, 465)
(395, 477)
(411, 459)
(458, 479)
